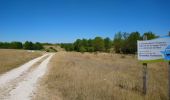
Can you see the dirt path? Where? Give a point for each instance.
(20, 83)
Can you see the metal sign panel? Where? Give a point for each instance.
(154, 49)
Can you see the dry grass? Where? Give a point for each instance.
(57, 48)
(10, 59)
(75, 76)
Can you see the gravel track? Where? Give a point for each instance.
(21, 83)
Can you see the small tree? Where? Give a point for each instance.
(118, 42)
(82, 49)
(132, 41)
(107, 44)
(98, 44)
(77, 44)
(37, 46)
(150, 35)
(90, 49)
(16, 45)
(28, 45)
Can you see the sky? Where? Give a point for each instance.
(63, 21)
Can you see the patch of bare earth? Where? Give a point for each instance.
(5, 89)
(76, 76)
(21, 83)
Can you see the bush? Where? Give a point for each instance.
(31, 46)
(82, 49)
(90, 49)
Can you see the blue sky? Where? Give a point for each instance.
(66, 20)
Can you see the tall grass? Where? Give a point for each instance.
(10, 58)
(75, 76)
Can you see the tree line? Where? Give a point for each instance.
(122, 42)
(28, 45)
(88, 45)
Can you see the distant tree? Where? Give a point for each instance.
(84, 42)
(77, 44)
(90, 43)
(132, 41)
(98, 44)
(117, 42)
(28, 45)
(90, 49)
(7, 45)
(150, 35)
(82, 49)
(68, 46)
(124, 46)
(122, 43)
(37, 46)
(16, 45)
(1, 44)
(107, 44)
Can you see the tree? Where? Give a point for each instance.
(28, 45)
(37, 46)
(90, 49)
(69, 47)
(82, 49)
(122, 43)
(84, 42)
(117, 42)
(16, 45)
(124, 47)
(90, 43)
(98, 44)
(107, 44)
(132, 41)
(77, 44)
(150, 35)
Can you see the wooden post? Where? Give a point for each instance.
(169, 78)
(145, 76)
(145, 73)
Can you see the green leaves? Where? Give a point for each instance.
(123, 42)
(31, 46)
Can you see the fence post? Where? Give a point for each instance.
(145, 73)
(169, 78)
(145, 76)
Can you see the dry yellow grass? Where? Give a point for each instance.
(76, 76)
(10, 58)
(57, 48)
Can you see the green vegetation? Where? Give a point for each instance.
(127, 43)
(32, 46)
(12, 45)
(123, 42)
(89, 45)
(19, 45)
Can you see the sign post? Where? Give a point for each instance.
(145, 77)
(169, 77)
(145, 73)
(155, 50)
(169, 80)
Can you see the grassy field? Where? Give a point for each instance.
(76, 76)
(10, 59)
